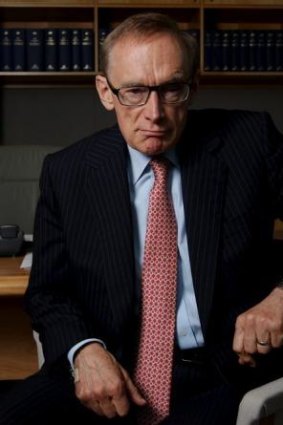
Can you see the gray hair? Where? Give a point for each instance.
(144, 25)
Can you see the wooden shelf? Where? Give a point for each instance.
(48, 78)
(13, 279)
(243, 3)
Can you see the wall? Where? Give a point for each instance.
(60, 116)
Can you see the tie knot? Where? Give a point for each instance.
(160, 167)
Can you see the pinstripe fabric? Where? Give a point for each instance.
(83, 278)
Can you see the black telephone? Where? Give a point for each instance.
(11, 239)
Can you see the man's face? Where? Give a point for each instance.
(154, 127)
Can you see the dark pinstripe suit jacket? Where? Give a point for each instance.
(83, 278)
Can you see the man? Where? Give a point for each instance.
(87, 295)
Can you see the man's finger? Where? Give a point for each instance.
(133, 391)
(122, 405)
(238, 341)
(247, 360)
(108, 408)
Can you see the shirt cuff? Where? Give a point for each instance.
(75, 348)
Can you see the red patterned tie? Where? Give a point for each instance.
(159, 278)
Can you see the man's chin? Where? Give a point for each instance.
(155, 146)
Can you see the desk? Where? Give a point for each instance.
(18, 356)
(13, 279)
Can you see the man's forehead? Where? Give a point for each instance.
(127, 54)
(139, 40)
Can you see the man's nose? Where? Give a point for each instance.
(154, 107)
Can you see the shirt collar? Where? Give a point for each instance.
(139, 162)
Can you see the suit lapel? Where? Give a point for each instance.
(203, 177)
(108, 192)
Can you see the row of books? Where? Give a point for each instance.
(244, 50)
(46, 50)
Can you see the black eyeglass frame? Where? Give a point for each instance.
(156, 88)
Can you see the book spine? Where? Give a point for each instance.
(87, 50)
(260, 51)
(208, 51)
(194, 33)
(6, 63)
(226, 50)
(76, 50)
(51, 50)
(235, 50)
(216, 51)
(34, 49)
(64, 43)
(244, 52)
(270, 51)
(279, 51)
(252, 47)
(18, 49)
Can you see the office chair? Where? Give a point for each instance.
(262, 405)
(20, 167)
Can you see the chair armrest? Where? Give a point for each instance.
(261, 402)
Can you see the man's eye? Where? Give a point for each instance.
(135, 91)
(171, 88)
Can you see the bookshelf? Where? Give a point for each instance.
(202, 16)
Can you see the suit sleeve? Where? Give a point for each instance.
(54, 313)
(274, 162)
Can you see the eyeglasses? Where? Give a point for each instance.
(137, 96)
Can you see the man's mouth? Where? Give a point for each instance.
(154, 133)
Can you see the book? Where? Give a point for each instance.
(244, 51)
(252, 48)
(260, 51)
(208, 51)
(235, 50)
(50, 50)
(34, 49)
(64, 49)
(279, 51)
(216, 57)
(270, 50)
(18, 49)
(76, 49)
(87, 50)
(226, 51)
(6, 63)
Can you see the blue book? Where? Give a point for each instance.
(260, 51)
(244, 50)
(235, 50)
(252, 48)
(216, 58)
(6, 63)
(270, 51)
(50, 51)
(208, 51)
(279, 51)
(35, 46)
(18, 49)
(226, 50)
(64, 49)
(76, 49)
(87, 50)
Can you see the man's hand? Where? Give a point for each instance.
(260, 328)
(101, 383)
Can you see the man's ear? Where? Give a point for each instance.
(104, 92)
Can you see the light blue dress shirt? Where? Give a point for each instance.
(141, 180)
